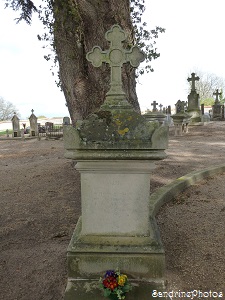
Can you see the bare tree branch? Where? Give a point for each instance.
(7, 110)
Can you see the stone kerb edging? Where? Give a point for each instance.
(169, 191)
(17, 138)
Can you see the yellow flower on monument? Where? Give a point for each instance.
(122, 279)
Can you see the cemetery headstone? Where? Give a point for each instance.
(155, 114)
(160, 107)
(115, 149)
(181, 118)
(192, 79)
(217, 108)
(217, 94)
(180, 106)
(66, 121)
(193, 102)
(33, 124)
(154, 106)
(49, 126)
(169, 120)
(205, 117)
(16, 126)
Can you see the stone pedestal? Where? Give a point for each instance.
(119, 192)
(217, 112)
(116, 230)
(155, 116)
(194, 109)
(181, 121)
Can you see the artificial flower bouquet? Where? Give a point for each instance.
(115, 285)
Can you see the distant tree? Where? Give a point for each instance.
(7, 110)
(208, 101)
(206, 86)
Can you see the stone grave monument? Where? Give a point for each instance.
(193, 102)
(154, 106)
(33, 124)
(181, 118)
(155, 114)
(217, 108)
(160, 107)
(16, 126)
(66, 121)
(205, 117)
(115, 150)
(169, 120)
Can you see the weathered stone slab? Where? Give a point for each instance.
(16, 126)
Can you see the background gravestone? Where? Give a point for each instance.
(155, 115)
(217, 114)
(193, 102)
(33, 124)
(181, 106)
(181, 118)
(66, 121)
(16, 126)
(169, 120)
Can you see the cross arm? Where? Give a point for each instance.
(135, 56)
(96, 56)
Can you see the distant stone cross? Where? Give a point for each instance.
(160, 107)
(193, 79)
(217, 94)
(32, 110)
(154, 104)
(115, 56)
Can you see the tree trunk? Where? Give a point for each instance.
(80, 25)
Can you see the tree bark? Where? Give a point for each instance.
(80, 25)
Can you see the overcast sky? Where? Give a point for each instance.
(194, 39)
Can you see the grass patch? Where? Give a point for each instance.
(5, 132)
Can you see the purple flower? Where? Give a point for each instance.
(110, 273)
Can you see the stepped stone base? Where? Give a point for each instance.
(89, 290)
(142, 259)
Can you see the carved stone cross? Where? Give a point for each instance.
(32, 110)
(193, 79)
(154, 104)
(217, 94)
(160, 107)
(115, 56)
